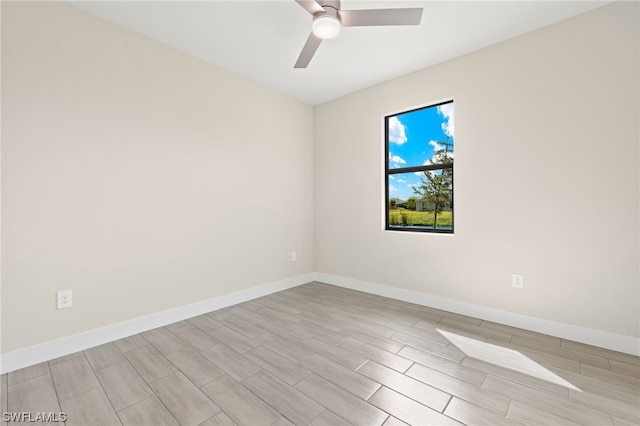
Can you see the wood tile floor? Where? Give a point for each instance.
(324, 355)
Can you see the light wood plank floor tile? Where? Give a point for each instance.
(288, 349)
(64, 358)
(33, 396)
(252, 316)
(546, 359)
(625, 368)
(204, 323)
(130, 343)
(395, 315)
(219, 315)
(622, 409)
(280, 305)
(463, 390)
(454, 326)
(150, 363)
(360, 325)
(175, 325)
(331, 319)
(392, 421)
(198, 368)
(584, 357)
(194, 337)
(514, 331)
(244, 407)
(453, 316)
(288, 401)
(629, 381)
(622, 422)
(232, 362)
(467, 413)
(320, 331)
(184, 400)
(528, 415)
(548, 387)
(148, 412)
(328, 418)
(429, 334)
(278, 315)
(242, 326)
(376, 354)
(335, 353)
(90, 408)
(448, 352)
(373, 339)
(164, 341)
(233, 339)
(284, 331)
(324, 355)
(600, 352)
(600, 387)
(4, 380)
(123, 385)
(349, 407)
(73, 377)
(24, 374)
(415, 389)
(4, 383)
(220, 419)
(443, 365)
(281, 367)
(252, 305)
(104, 356)
(541, 400)
(341, 376)
(408, 410)
(414, 309)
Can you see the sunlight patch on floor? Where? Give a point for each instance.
(504, 357)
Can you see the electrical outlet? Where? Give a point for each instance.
(294, 256)
(517, 280)
(65, 299)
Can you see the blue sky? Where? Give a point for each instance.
(413, 138)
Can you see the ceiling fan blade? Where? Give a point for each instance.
(373, 17)
(310, 6)
(308, 51)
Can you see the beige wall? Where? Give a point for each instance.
(145, 180)
(137, 176)
(546, 177)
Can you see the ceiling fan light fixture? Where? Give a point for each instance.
(326, 26)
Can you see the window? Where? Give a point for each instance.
(419, 151)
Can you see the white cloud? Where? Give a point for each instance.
(401, 181)
(396, 131)
(446, 111)
(396, 159)
(436, 147)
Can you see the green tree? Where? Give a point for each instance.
(437, 185)
(410, 204)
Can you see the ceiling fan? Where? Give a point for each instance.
(328, 19)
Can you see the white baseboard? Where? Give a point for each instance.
(603, 339)
(32, 355)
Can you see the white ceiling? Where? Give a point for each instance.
(261, 39)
